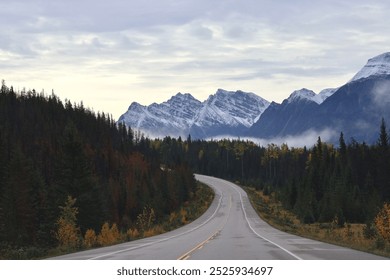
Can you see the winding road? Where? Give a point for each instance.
(229, 229)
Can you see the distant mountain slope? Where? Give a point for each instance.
(286, 118)
(173, 117)
(356, 109)
(376, 66)
(225, 112)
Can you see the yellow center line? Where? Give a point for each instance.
(185, 256)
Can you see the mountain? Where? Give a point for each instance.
(228, 113)
(377, 66)
(356, 108)
(286, 118)
(173, 117)
(225, 112)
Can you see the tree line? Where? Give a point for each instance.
(52, 151)
(348, 182)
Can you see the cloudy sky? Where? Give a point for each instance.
(111, 53)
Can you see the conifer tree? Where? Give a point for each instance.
(383, 140)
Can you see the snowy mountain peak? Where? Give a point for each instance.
(306, 94)
(136, 106)
(378, 65)
(182, 97)
(183, 114)
(302, 94)
(233, 108)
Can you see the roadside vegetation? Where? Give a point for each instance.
(70, 238)
(373, 237)
(147, 225)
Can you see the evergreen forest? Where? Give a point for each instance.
(350, 181)
(52, 153)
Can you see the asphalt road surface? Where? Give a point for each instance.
(229, 230)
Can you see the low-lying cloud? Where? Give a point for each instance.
(307, 138)
(381, 94)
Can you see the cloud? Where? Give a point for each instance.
(381, 93)
(307, 138)
(152, 49)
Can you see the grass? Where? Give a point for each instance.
(355, 236)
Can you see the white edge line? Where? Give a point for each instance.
(259, 235)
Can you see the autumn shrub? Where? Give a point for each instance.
(108, 236)
(68, 234)
(154, 231)
(382, 222)
(183, 214)
(132, 233)
(90, 239)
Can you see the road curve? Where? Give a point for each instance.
(230, 229)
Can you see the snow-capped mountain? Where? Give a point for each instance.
(173, 117)
(306, 94)
(226, 112)
(284, 119)
(376, 66)
(356, 108)
(302, 94)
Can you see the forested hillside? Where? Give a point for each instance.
(52, 151)
(349, 182)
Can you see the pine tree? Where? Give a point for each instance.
(342, 145)
(383, 140)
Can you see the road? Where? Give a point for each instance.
(229, 229)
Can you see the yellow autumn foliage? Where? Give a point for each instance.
(108, 236)
(382, 222)
(90, 238)
(68, 234)
(132, 233)
(153, 231)
(183, 214)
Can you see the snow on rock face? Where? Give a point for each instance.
(378, 65)
(176, 116)
(172, 117)
(325, 93)
(306, 94)
(231, 108)
(302, 94)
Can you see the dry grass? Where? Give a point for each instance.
(349, 235)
